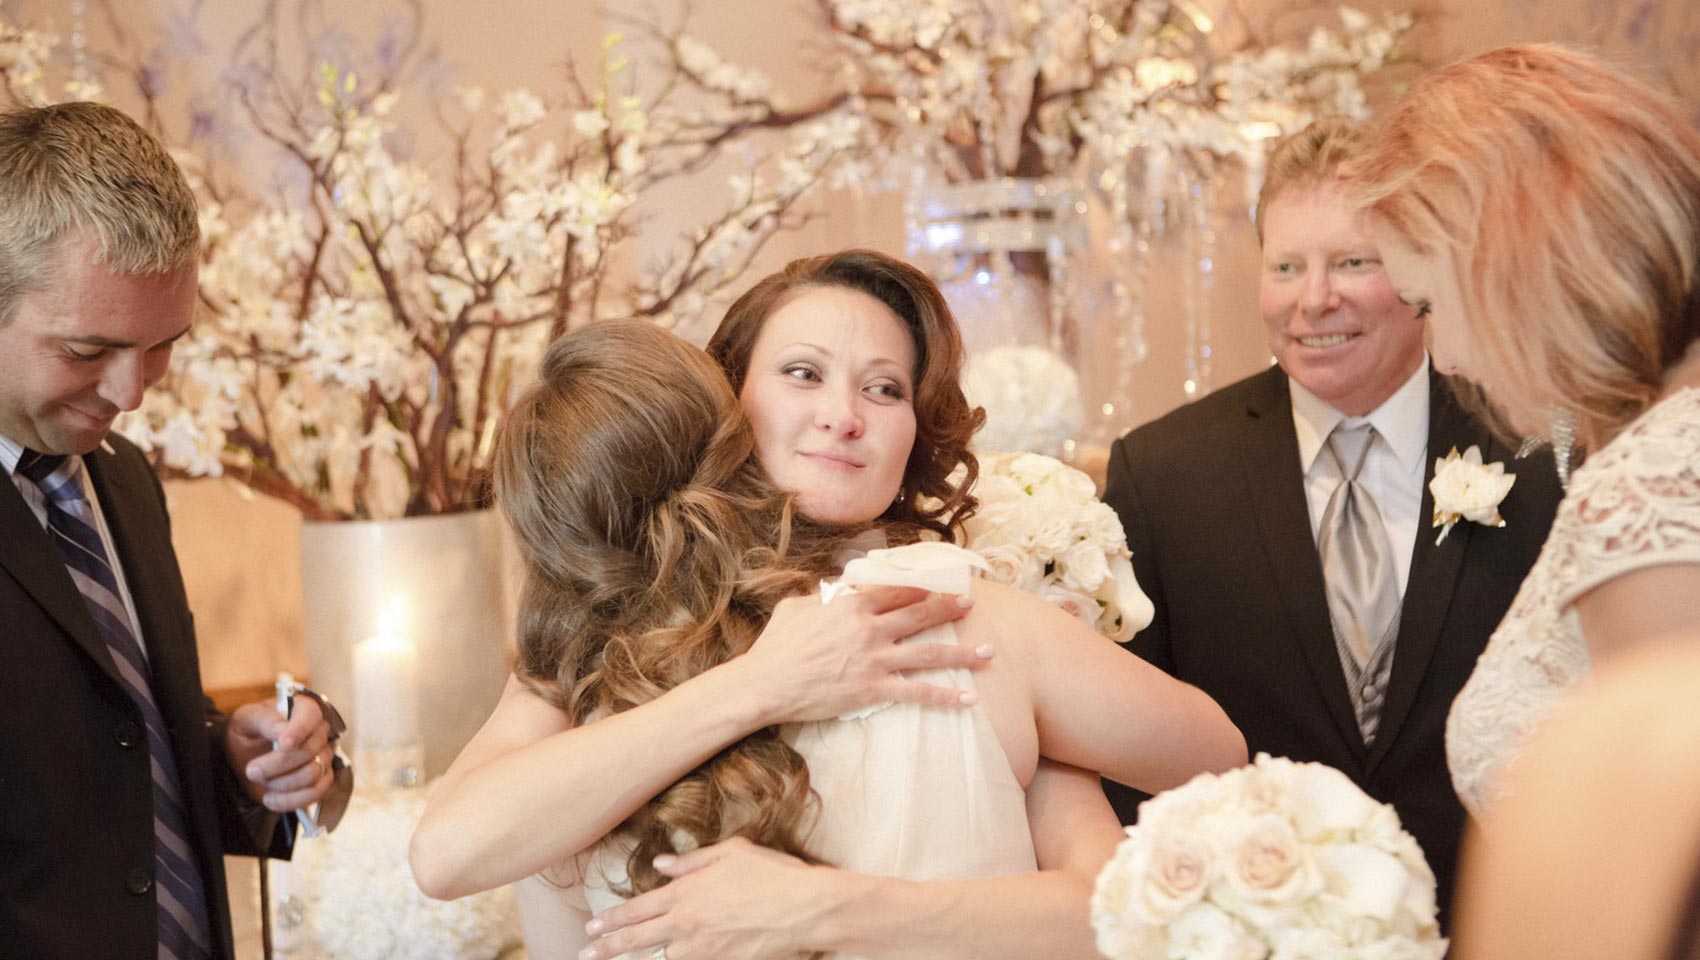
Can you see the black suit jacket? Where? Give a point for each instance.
(1213, 500)
(76, 807)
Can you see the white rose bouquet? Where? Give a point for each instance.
(1277, 860)
(1042, 528)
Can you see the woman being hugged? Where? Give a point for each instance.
(1544, 207)
(839, 379)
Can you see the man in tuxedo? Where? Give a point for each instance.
(1281, 524)
(120, 787)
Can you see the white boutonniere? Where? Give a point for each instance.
(1465, 488)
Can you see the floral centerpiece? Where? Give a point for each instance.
(364, 328)
(1273, 860)
(1042, 528)
(1007, 121)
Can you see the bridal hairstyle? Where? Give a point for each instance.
(1565, 197)
(1308, 159)
(944, 423)
(85, 167)
(654, 549)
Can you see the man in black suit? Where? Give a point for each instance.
(1238, 515)
(120, 787)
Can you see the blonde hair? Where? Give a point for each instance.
(654, 549)
(87, 168)
(1565, 197)
(1308, 159)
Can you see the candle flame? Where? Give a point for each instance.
(390, 620)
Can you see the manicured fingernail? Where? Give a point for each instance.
(253, 772)
(594, 927)
(965, 601)
(588, 953)
(984, 651)
(968, 698)
(664, 861)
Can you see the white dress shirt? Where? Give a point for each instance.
(10, 453)
(1393, 468)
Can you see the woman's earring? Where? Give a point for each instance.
(1563, 431)
(1563, 443)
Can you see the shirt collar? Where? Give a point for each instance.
(10, 453)
(1402, 419)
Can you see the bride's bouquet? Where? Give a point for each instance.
(1042, 528)
(1279, 860)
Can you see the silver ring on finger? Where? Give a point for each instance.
(318, 765)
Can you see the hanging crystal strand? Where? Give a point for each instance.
(1130, 249)
(1196, 181)
(79, 46)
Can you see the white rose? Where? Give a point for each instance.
(1309, 944)
(1052, 535)
(1174, 872)
(1267, 872)
(1464, 486)
(1206, 932)
(1083, 567)
(1013, 566)
(1104, 527)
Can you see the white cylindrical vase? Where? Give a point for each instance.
(437, 584)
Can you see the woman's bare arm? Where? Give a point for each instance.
(531, 790)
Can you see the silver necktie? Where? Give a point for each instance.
(1357, 563)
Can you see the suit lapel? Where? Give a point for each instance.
(27, 553)
(142, 543)
(1274, 480)
(1434, 569)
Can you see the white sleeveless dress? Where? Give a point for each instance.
(1633, 504)
(905, 791)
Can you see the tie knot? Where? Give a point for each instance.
(54, 473)
(1350, 445)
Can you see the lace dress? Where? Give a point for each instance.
(1633, 504)
(905, 791)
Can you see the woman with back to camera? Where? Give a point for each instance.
(851, 356)
(1544, 208)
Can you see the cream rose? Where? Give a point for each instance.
(1267, 870)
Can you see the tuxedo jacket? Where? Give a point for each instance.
(1212, 498)
(76, 803)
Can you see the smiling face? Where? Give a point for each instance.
(829, 392)
(84, 347)
(1334, 322)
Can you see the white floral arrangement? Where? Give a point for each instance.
(1033, 87)
(1031, 397)
(1277, 859)
(350, 894)
(1042, 528)
(1465, 488)
(367, 320)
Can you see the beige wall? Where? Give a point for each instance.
(240, 555)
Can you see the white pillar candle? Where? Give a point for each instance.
(386, 692)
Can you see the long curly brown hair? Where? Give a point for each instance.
(944, 422)
(654, 548)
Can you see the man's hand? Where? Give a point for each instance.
(295, 774)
